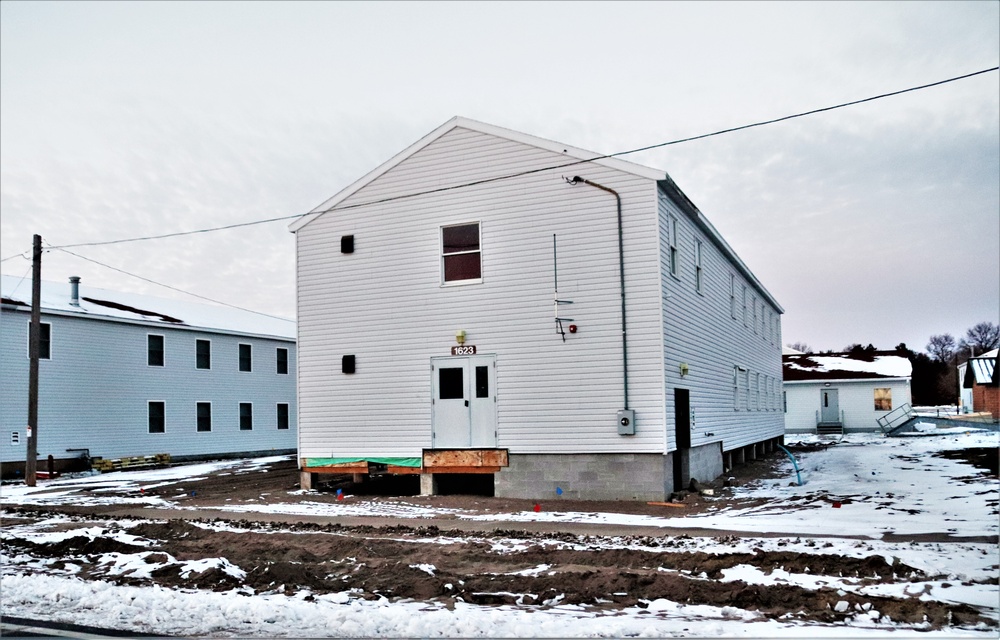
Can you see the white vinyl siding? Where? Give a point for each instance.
(855, 398)
(552, 396)
(726, 361)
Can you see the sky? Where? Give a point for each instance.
(877, 223)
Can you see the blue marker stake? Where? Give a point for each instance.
(558, 491)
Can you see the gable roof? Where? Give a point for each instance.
(119, 306)
(573, 155)
(845, 366)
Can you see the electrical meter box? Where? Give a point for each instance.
(626, 422)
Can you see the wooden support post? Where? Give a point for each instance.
(34, 344)
(307, 480)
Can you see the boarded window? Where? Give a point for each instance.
(203, 354)
(282, 358)
(282, 415)
(154, 350)
(157, 417)
(246, 357)
(883, 399)
(204, 410)
(246, 416)
(461, 257)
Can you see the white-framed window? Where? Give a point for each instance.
(203, 416)
(246, 416)
(155, 345)
(697, 267)
(203, 354)
(44, 341)
(461, 254)
(745, 310)
(246, 357)
(281, 358)
(282, 415)
(736, 388)
(883, 399)
(784, 401)
(732, 295)
(746, 389)
(673, 246)
(157, 416)
(753, 300)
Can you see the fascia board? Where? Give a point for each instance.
(844, 381)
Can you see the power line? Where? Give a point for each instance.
(160, 284)
(17, 255)
(532, 171)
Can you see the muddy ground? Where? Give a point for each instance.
(505, 565)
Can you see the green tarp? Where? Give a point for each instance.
(328, 462)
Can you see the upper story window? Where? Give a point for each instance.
(282, 360)
(461, 257)
(753, 301)
(157, 417)
(203, 354)
(697, 266)
(673, 246)
(744, 305)
(732, 295)
(246, 358)
(154, 350)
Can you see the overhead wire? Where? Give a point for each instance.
(225, 304)
(529, 171)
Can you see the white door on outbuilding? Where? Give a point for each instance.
(463, 407)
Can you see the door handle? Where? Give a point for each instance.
(466, 403)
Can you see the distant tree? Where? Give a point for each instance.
(800, 346)
(926, 382)
(981, 338)
(942, 347)
(854, 347)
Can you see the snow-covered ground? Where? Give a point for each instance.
(866, 486)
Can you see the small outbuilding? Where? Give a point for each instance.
(129, 375)
(981, 380)
(836, 393)
(570, 324)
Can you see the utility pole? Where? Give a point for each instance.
(34, 346)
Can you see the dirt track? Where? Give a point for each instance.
(475, 562)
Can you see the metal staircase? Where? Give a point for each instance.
(895, 418)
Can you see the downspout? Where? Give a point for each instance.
(621, 275)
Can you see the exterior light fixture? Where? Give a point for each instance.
(460, 336)
(685, 369)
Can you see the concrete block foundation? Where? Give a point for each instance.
(582, 476)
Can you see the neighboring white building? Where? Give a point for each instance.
(124, 375)
(488, 301)
(843, 392)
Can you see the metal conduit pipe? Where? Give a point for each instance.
(621, 275)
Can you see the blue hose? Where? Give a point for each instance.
(794, 463)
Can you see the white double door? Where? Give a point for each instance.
(464, 409)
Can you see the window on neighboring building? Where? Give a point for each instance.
(461, 257)
(203, 354)
(157, 417)
(246, 416)
(282, 415)
(246, 357)
(204, 410)
(883, 399)
(282, 356)
(673, 246)
(44, 341)
(154, 350)
(697, 266)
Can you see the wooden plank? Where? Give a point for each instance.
(462, 470)
(396, 469)
(465, 458)
(666, 504)
(340, 468)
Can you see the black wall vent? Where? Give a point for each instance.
(347, 364)
(347, 244)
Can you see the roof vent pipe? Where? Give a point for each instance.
(74, 290)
